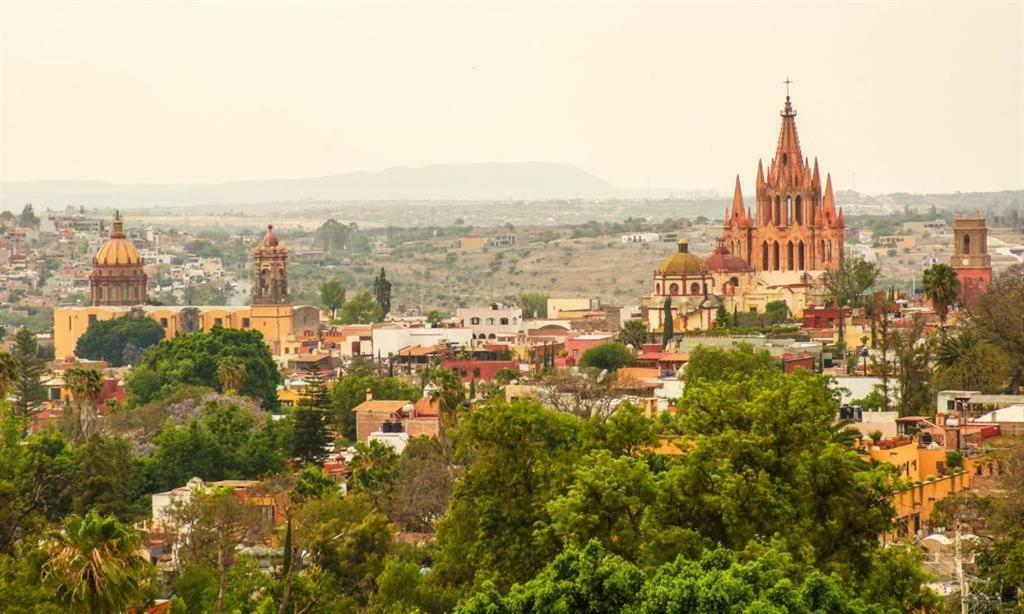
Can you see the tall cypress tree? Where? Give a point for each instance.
(667, 331)
(28, 379)
(382, 292)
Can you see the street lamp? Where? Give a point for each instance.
(864, 356)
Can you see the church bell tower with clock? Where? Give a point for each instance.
(970, 259)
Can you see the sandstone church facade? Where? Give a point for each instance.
(795, 225)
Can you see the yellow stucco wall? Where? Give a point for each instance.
(274, 321)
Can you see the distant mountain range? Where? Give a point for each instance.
(483, 181)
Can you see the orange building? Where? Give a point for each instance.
(796, 226)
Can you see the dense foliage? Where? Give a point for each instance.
(193, 359)
(119, 340)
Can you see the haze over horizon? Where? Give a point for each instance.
(890, 98)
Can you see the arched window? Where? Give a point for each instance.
(789, 210)
(775, 256)
(492, 336)
(673, 289)
(503, 321)
(777, 213)
(798, 213)
(967, 244)
(765, 265)
(490, 321)
(789, 256)
(735, 282)
(657, 288)
(474, 320)
(800, 252)
(695, 288)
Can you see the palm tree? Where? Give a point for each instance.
(8, 373)
(845, 434)
(955, 349)
(95, 564)
(449, 393)
(942, 287)
(85, 386)
(231, 374)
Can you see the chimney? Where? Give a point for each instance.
(369, 394)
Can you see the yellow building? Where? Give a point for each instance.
(271, 313)
(927, 479)
(276, 322)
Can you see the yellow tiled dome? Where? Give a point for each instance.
(117, 251)
(682, 263)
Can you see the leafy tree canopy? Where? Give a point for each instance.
(108, 339)
(193, 359)
(607, 356)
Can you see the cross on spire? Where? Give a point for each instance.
(787, 82)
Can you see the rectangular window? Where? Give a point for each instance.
(218, 322)
(245, 322)
(163, 322)
(92, 319)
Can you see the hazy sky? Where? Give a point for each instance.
(906, 97)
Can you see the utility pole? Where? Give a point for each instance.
(960, 570)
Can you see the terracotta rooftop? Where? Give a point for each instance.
(380, 406)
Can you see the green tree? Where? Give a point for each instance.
(218, 523)
(85, 386)
(942, 287)
(776, 312)
(95, 565)
(28, 217)
(846, 285)
(374, 469)
(966, 362)
(193, 359)
(606, 502)
(579, 580)
(231, 374)
(626, 432)
(332, 296)
(28, 389)
(449, 394)
(997, 316)
(607, 356)
(8, 373)
(667, 331)
(710, 364)
(912, 353)
(516, 457)
(534, 305)
(634, 333)
(109, 339)
(313, 393)
(225, 441)
(361, 309)
(382, 292)
(346, 538)
(309, 434)
(107, 478)
(423, 486)
(721, 317)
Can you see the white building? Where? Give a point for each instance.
(389, 339)
(641, 237)
(494, 323)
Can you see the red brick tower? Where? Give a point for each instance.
(796, 226)
(971, 260)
